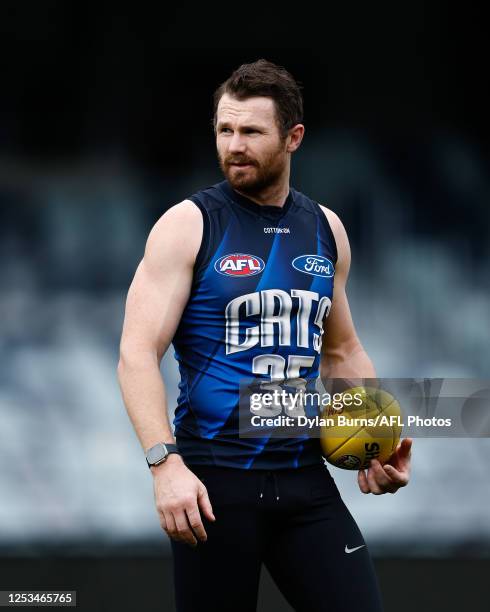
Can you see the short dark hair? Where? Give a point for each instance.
(263, 78)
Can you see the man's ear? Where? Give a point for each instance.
(295, 136)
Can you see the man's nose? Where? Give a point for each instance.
(237, 143)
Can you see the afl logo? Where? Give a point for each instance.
(316, 265)
(239, 264)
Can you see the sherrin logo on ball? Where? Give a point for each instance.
(239, 264)
(362, 431)
(316, 265)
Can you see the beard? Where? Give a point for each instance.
(258, 176)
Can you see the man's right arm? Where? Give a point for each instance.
(155, 302)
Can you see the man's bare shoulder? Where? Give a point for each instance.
(334, 220)
(185, 215)
(177, 234)
(341, 239)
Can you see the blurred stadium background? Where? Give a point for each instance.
(104, 124)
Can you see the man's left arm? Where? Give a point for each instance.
(344, 357)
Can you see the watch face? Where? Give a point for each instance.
(156, 454)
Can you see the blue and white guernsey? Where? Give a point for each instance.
(262, 287)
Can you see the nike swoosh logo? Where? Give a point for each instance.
(351, 550)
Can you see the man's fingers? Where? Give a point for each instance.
(373, 484)
(406, 445)
(183, 528)
(168, 525)
(382, 478)
(195, 522)
(403, 450)
(204, 503)
(399, 478)
(362, 481)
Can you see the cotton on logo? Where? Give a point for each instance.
(239, 264)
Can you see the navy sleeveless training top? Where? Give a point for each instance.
(262, 286)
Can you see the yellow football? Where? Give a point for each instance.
(366, 428)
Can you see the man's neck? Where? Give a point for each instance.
(274, 195)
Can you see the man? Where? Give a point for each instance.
(224, 278)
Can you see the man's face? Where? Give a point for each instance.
(251, 152)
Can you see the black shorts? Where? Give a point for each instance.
(292, 520)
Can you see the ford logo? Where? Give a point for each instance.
(316, 265)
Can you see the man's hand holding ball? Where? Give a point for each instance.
(364, 435)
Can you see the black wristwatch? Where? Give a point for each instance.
(158, 454)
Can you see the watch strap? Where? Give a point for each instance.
(171, 448)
